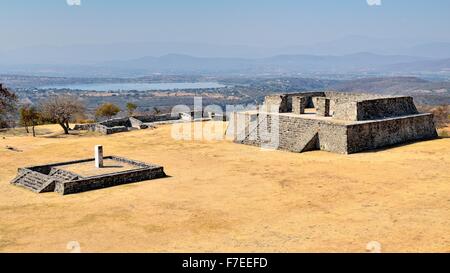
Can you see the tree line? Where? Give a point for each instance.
(58, 109)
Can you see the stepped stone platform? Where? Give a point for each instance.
(332, 121)
(82, 175)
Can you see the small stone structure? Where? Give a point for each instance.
(333, 121)
(85, 175)
(119, 125)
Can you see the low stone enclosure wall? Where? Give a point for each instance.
(50, 177)
(340, 122)
(120, 125)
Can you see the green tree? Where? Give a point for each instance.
(23, 117)
(29, 116)
(131, 107)
(107, 110)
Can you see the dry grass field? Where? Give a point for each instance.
(224, 197)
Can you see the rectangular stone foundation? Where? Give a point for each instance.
(109, 180)
(66, 178)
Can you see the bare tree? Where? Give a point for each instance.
(156, 110)
(8, 101)
(61, 109)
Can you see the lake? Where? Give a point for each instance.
(136, 86)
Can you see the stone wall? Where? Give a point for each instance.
(323, 106)
(47, 168)
(371, 109)
(388, 132)
(346, 96)
(85, 127)
(116, 122)
(112, 126)
(276, 103)
(299, 104)
(297, 134)
(137, 124)
(110, 130)
(283, 103)
(343, 106)
(385, 108)
(157, 118)
(344, 110)
(109, 180)
(333, 137)
(120, 125)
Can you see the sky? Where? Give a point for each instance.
(265, 23)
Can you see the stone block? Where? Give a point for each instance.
(323, 106)
(299, 104)
(98, 156)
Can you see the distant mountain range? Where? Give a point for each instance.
(88, 54)
(421, 66)
(353, 54)
(176, 63)
(276, 65)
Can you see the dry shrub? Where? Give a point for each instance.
(441, 114)
(85, 121)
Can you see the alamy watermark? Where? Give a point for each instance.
(374, 2)
(245, 123)
(374, 247)
(73, 2)
(73, 247)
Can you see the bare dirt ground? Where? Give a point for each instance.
(225, 197)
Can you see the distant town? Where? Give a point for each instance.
(236, 90)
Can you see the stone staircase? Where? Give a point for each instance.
(137, 124)
(310, 142)
(34, 181)
(251, 134)
(299, 135)
(63, 175)
(294, 137)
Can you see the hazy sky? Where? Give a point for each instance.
(232, 22)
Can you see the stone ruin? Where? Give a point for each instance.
(120, 125)
(85, 175)
(126, 124)
(333, 121)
